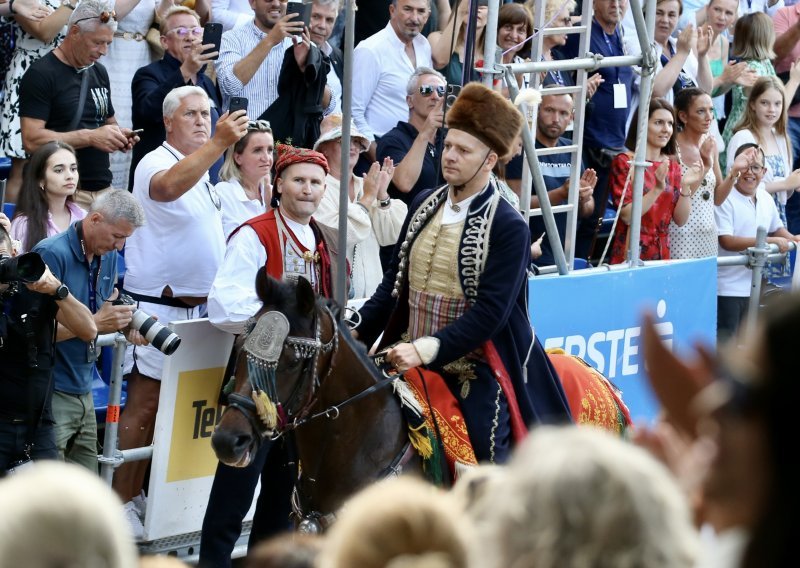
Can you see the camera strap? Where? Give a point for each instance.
(94, 273)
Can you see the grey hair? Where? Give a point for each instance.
(579, 496)
(119, 204)
(86, 15)
(394, 3)
(86, 527)
(413, 81)
(329, 3)
(173, 99)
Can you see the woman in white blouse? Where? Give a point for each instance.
(245, 186)
(373, 220)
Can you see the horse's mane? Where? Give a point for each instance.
(282, 295)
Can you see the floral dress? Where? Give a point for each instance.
(654, 237)
(28, 50)
(762, 69)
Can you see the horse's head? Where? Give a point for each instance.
(277, 364)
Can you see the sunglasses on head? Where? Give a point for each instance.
(182, 31)
(427, 90)
(259, 125)
(104, 17)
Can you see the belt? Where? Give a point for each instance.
(130, 35)
(162, 301)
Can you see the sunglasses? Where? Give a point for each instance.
(427, 90)
(214, 196)
(182, 31)
(259, 125)
(104, 17)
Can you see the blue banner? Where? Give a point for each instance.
(597, 317)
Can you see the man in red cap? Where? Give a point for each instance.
(288, 242)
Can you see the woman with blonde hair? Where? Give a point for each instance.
(244, 186)
(764, 123)
(576, 496)
(754, 36)
(397, 523)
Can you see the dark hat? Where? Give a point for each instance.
(488, 116)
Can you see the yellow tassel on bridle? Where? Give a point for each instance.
(265, 408)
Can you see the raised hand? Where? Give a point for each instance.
(744, 160)
(231, 128)
(694, 175)
(385, 178)
(302, 45)
(705, 36)
(31, 10)
(592, 84)
(661, 175)
(687, 40)
(286, 28)
(707, 150)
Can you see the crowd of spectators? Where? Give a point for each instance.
(122, 125)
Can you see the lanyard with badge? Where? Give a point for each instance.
(620, 89)
(93, 270)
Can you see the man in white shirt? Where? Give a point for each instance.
(290, 245)
(171, 261)
(747, 207)
(382, 65)
(251, 56)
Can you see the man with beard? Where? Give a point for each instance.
(555, 115)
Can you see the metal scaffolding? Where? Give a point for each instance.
(564, 256)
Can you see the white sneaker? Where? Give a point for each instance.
(134, 522)
(140, 502)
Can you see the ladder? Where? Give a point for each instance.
(565, 256)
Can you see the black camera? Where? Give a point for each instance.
(158, 335)
(28, 268)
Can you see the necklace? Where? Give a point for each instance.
(454, 206)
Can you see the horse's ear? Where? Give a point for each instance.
(305, 297)
(265, 285)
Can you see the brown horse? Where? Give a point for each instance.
(318, 384)
(348, 427)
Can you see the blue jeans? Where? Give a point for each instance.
(12, 443)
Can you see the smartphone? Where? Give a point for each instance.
(135, 132)
(302, 9)
(237, 103)
(212, 33)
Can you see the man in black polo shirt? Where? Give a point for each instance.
(28, 315)
(416, 146)
(51, 106)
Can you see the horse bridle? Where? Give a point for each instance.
(265, 339)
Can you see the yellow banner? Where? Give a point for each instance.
(195, 416)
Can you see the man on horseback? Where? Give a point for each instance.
(454, 300)
(288, 242)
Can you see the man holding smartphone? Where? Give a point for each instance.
(252, 55)
(184, 62)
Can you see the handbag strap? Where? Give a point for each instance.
(81, 100)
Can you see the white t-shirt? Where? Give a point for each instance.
(739, 216)
(236, 206)
(182, 243)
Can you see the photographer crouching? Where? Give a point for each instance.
(31, 301)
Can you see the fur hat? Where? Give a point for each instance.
(488, 116)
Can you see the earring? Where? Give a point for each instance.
(42, 186)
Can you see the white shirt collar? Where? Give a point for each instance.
(450, 215)
(304, 233)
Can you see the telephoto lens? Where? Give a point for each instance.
(27, 267)
(158, 335)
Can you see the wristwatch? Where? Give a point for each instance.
(68, 4)
(384, 203)
(61, 292)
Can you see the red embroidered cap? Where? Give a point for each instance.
(289, 155)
